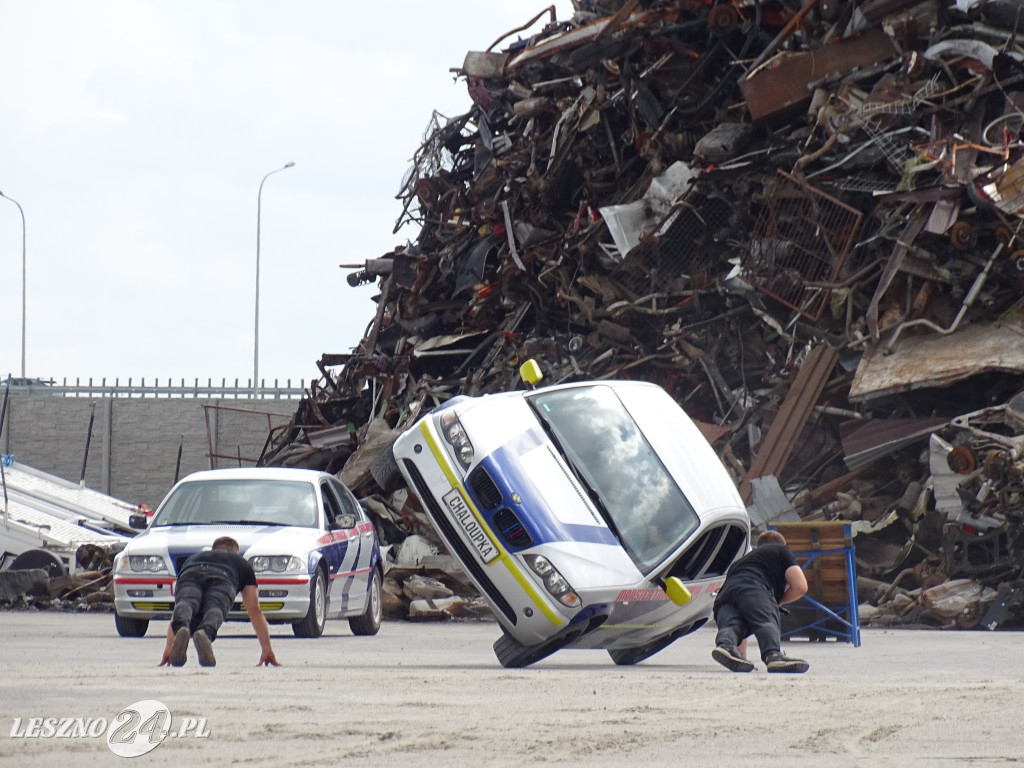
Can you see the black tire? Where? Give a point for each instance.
(316, 617)
(385, 471)
(129, 627)
(514, 655)
(39, 558)
(369, 622)
(629, 656)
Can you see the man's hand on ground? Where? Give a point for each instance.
(267, 658)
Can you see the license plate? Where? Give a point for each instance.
(474, 531)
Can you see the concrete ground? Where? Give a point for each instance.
(434, 695)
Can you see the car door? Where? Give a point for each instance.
(350, 554)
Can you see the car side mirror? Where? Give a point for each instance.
(530, 373)
(677, 591)
(345, 520)
(138, 522)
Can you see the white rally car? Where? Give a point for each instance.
(312, 546)
(591, 515)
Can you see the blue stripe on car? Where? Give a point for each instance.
(533, 511)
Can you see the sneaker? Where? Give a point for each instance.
(730, 659)
(204, 647)
(179, 648)
(777, 661)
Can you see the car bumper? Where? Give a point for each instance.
(141, 597)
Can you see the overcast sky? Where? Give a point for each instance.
(135, 134)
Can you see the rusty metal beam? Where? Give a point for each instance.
(775, 449)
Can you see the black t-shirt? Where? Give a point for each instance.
(766, 566)
(236, 566)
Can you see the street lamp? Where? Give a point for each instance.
(22, 280)
(256, 334)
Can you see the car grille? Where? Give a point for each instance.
(511, 529)
(483, 487)
(712, 553)
(467, 558)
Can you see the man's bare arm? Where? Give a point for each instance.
(166, 658)
(251, 601)
(797, 585)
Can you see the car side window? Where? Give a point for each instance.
(331, 504)
(347, 500)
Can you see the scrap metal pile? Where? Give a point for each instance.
(803, 221)
(44, 585)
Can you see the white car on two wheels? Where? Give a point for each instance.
(313, 548)
(590, 515)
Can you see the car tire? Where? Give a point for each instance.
(369, 622)
(316, 617)
(385, 471)
(39, 558)
(630, 656)
(514, 655)
(129, 627)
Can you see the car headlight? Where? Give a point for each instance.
(554, 582)
(275, 563)
(147, 563)
(455, 435)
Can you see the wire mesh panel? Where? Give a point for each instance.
(799, 244)
(422, 184)
(237, 436)
(686, 245)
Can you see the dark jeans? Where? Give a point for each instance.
(202, 598)
(745, 611)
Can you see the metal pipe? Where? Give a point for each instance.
(972, 294)
(88, 439)
(791, 26)
(177, 464)
(3, 418)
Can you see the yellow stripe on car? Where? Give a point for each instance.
(442, 461)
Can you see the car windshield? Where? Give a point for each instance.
(627, 481)
(257, 501)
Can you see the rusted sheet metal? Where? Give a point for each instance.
(867, 441)
(800, 401)
(782, 84)
(573, 39)
(938, 361)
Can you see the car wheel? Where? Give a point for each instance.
(316, 617)
(630, 656)
(513, 654)
(39, 558)
(385, 471)
(369, 622)
(129, 627)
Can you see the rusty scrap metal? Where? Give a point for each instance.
(696, 193)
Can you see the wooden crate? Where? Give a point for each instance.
(825, 552)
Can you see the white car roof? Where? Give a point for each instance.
(257, 473)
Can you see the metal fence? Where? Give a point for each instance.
(236, 436)
(90, 388)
